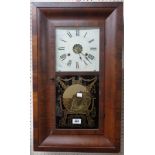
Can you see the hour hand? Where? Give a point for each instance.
(86, 57)
(80, 57)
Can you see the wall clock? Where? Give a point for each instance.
(77, 72)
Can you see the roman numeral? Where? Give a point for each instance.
(90, 56)
(77, 32)
(63, 57)
(69, 63)
(91, 40)
(77, 65)
(61, 48)
(85, 35)
(69, 34)
(93, 48)
(63, 40)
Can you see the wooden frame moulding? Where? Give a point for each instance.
(108, 16)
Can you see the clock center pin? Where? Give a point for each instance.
(77, 48)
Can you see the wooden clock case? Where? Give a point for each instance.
(45, 18)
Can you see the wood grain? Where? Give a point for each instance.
(109, 18)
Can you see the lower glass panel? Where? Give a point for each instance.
(77, 99)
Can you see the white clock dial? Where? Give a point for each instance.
(77, 49)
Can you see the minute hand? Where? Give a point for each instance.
(86, 58)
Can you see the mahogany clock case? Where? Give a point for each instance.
(105, 135)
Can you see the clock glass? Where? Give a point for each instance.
(77, 49)
(77, 95)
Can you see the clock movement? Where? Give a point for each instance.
(77, 72)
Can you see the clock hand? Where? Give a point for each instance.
(86, 57)
(82, 54)
(80, 57)
(83, 60)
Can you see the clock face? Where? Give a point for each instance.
(77, 49)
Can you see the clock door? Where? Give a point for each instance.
(77, 87)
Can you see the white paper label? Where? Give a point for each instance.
(79, 95)
(76, 121)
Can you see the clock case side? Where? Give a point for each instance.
(35, 74)
(44, 140)
(42, 120)
(113, 75)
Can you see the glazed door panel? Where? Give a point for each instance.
(77, 76)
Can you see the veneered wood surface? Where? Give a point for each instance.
(46, 17)
(113, 75)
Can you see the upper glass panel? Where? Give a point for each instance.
(77, 49)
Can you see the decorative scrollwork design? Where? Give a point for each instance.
(71, 105)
